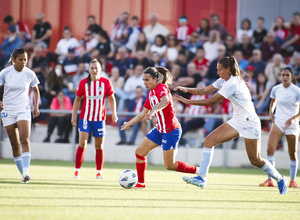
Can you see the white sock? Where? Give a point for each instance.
(207, 156)
(272, 161)
(26, 157)
(99, 171)
(77, 170)
(270, 170)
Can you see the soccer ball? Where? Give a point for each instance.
(127, 179)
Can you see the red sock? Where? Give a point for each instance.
(99, 158)
(185, 168)
(140, 168)
(79, 157)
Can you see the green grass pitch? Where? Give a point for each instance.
(54, 194)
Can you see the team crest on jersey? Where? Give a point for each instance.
(4, 114)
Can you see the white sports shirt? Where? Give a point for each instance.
(16, 87)
(288, 100)
(236, 91)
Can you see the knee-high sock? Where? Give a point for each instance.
(79, 157)
(272, 161)
(185, 168)
(19, 163)
(140, 168)
(270, 170)
(293, 169)
(99, 159)
(207, 156)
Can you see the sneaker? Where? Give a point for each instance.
(121, 143)
(293, 184)
(59, 140)
(140, 186)
(25, 178)
(130, 143)
(99, 176)
(282, 186)
(197, 181)
(268, 183)
(76, 175)
(46, 140)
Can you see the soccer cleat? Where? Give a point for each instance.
(99, 176)
(293, 184)
(197, 181)
(76, 175)
(282, 185)
(25, 178)
(140, 186)
(268, 183)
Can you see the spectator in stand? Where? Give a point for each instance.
(116, 80)
(294, 40)
(215, 21)
(61, 120)
(120, 29)
(40, 65)
(154, 29)
(256, 61)
(262, 90)
(9, 44)
(212, 73)
(230, 45)
(62, 47)
(246, 47)
(171, 53)
(106, 65)
(93, 26)
(182, 62)
(141, 44)
(130, 86)
(203, 30)
(155, 60)
(41, 33)
(250, 80)
(136, 105)
(55, 82)
(21, 28)
(159, 45)
(184, 30)
(241, 61)
(211, 46)
(103, 47)
(87, 46)
(273, 69)
(201, 62)
(73, 85)
(269, 47)
(192, 45)
(71, 62)
(124, 63)
(295, 65)
(133, 33)
(245, 30)
(260, 32)
(140, 59)
(281, 32)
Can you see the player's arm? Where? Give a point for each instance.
(290, 121)
(1, 104)
(164, 101)
(211, 101)
(272, 108)
(113, 107)
(136, 119)
(76, 106)
(36, 95)
(196, 91)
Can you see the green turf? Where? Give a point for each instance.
(54, 194)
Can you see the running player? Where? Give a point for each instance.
(16, 110)
(93, 89)
(285, 97)
(244, 123)
(167, 131)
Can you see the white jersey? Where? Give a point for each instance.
(287, 101)
(16, 87)
(236, 91)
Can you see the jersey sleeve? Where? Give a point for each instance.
(218, 83)
(228, 89)
(3, 73)
(109, 89)
(162, 91)
(80, 90)
(273, 91)
(34, 80)
(147, 103)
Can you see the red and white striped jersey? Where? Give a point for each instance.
(93, 105)
(166, 120)
(198, 109)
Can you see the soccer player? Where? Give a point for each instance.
(167, 131)
(93, 89)
(244, 123)
(285, 97)
(16, 110)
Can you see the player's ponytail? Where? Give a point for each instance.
(292, 74)
(15, 53)
(233, 65)
(167, 77)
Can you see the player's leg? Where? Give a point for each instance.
(274, 138)
(222, 134)
(292, 141)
